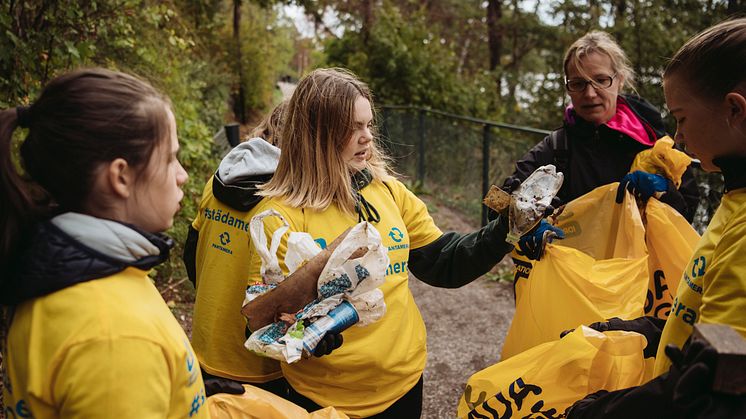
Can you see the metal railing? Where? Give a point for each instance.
(499, 144)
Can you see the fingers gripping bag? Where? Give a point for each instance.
(256, 403)
(599, 271)
(326, 291)
(545, 380)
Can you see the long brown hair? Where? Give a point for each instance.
(319, 121)
(713, 62)
(81, 120)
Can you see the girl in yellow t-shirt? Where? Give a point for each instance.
(331, 175)
(89, 334)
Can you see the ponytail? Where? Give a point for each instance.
(17, 205)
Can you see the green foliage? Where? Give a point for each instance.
(267, 49)
(406, 63)
(147, 38)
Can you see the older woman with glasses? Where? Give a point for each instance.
(603, 130)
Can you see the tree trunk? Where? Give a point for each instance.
(239, 103)
(367, 12)
(495, 32)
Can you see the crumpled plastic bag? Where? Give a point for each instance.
(347, 289)
(663, 159)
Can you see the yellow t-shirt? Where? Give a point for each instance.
(713, 288)
(377, 364)
(218, 327)
(106, 348)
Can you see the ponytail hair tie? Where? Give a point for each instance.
(24, 116)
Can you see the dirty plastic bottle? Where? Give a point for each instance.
(529, 201)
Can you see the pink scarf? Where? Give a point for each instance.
(624, 121)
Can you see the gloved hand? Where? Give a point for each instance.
(215, 385)
(328, 343)
(693, 370)
(650, 327)
(532, 244)
(643, 185)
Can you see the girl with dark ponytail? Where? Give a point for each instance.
(83, 209)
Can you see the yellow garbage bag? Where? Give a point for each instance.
(256, 403)
(547, 379)
(663, 159)
(614, 262)
(599, 271)
(670, 241)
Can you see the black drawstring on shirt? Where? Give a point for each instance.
(364, 209)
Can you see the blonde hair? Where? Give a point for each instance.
(602, 43)
(713, 62)
(269, 127)
(319, 122)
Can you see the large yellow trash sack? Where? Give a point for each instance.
(663, 159)
(256, 403)
(602, 269)
(547, 379)
(670, 240)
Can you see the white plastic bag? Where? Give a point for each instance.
(347, 288)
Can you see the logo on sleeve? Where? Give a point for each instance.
(396, 234)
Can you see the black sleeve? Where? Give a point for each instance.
(190, 255)
(540, 155)
(455, 260)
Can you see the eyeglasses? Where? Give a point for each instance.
(579, 85)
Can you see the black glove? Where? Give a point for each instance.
(692, 372)
(328, 343)
(650, 327)
(215, 385)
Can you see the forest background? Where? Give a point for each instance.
(220, 60)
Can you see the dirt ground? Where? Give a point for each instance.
(466, 327)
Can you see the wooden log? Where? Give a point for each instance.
(295, 292)
(730, 369)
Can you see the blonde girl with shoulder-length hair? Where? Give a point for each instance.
(332, 175)
(320, 120)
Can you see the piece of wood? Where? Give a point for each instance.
(730, 370)
(295, 292)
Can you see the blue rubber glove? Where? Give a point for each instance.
(532, 244)
(643, 185)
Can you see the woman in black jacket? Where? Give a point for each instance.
(603, 130)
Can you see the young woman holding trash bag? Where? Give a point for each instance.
(332, 175)
(89, 335)
(705, 89)
(603, 130)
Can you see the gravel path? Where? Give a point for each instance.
(465, 332)
(466, 327)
